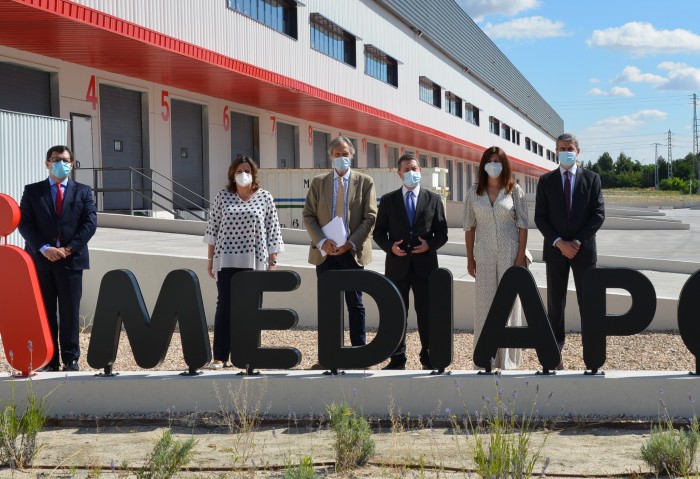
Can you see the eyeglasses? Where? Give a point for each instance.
(56, 159)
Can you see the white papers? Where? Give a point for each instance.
(335, 230)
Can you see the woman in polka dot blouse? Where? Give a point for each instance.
(243, 234)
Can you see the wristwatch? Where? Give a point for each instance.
(273, 262)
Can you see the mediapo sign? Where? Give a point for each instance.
(27, 341)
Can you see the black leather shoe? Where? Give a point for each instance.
(72, 366)
(49, 368)
(395, 365)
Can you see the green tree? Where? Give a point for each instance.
(605, 162)
(623, 163)
(629, 179)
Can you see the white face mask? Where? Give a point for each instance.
(493, 169)
(244, 179)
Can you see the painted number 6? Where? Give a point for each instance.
(227, 119)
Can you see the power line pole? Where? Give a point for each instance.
(670, 156)
(695, 134)
(656, 164)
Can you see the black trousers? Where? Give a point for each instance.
(62, 289)
(353, 299)
(557, 286)
(222, 317)
(419, 284)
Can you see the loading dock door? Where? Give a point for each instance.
(287, 146)
(121, 134)
(25, 90)
(187, 155)
(244, 136)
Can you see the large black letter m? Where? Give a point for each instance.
(120, 302)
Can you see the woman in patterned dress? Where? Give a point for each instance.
(243, 234)
(495, 225)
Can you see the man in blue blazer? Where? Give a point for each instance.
(410, 228)
(569, 210)
(58, 218)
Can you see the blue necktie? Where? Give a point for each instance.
(567, 197)
(410, 207)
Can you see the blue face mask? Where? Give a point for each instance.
(60, 169)
(411, 178)
(342, 163)
(567, 158)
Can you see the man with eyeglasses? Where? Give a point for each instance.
(58, 218)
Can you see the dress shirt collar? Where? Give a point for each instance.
(405, 190)
(572, 170)
(346, 175)
(52, 182)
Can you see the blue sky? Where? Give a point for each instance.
(621, 73)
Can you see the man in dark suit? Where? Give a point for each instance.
(58, 218)
(410, 228)
(569, 211)
(350, 195)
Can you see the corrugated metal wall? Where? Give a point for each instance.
(24, 140)
(448, 34)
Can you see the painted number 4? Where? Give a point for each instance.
(91, 94)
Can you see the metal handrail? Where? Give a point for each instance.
(193, 208)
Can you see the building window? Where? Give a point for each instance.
(280, 15)
(393, 156)
(453, 104)
(471, 114)
(429, 92)
(540, 150)
(515, 137)
(381, 66)
(527, 143)
(330, 39)
(494, 126)
(436, 162)
(505, 132)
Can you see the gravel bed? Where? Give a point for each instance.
(653, 351)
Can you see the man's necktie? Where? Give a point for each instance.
(410, 207)
(340, 199)
(59, 199)
(567, 196)
(59, 207)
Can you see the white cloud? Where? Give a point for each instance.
(478, 9)
(635, 75)
(594, 80)
(642, 39)
(681, 76)
(628, 122)
(527, 27)
(614, 91)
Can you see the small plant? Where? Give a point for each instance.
(669, 450)
(167, 458)
(353, 443)
(303, 470)
(242, 413)
(18, 430)
(501, 446)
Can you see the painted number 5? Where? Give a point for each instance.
(165, 114)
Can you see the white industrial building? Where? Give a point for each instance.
(177, 88)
